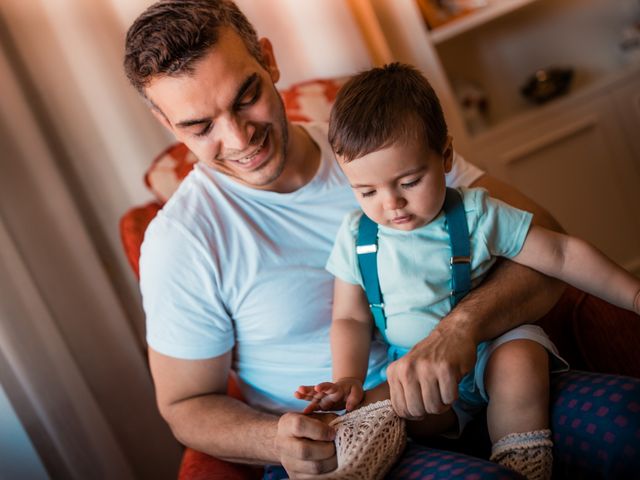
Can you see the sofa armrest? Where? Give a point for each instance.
(132, 227)
(594, 335)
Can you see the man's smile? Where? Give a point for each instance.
(255, 154)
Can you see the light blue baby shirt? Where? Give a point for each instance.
(413, 265)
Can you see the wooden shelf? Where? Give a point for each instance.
(532, 114)
(495, 9)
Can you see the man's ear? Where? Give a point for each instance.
(269, 59)
(447, 154)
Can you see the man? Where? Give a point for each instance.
(232, 269)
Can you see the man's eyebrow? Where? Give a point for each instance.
(248, 83)
(413, 171)
(190, 123)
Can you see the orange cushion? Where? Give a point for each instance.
(168, 169)
(132, 227)
(200, 466)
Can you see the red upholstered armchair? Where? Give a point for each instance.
(591, 334)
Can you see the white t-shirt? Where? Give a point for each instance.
(226, 266)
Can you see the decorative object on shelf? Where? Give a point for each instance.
(474, 104)
(546, 84)
(630, 43)
(439, 12)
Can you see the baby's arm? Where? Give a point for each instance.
(351, 331)
(580, 264)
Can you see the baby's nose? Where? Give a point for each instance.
(395, 202)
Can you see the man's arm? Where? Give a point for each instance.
(509, 296)
(191, 398)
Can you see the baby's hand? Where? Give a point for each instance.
(345, 393)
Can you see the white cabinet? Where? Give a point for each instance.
(577, 155)
(627, 103)
(575, 158)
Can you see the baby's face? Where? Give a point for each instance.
(401, 186)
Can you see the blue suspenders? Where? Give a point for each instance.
(460, 262)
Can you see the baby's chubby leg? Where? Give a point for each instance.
(517, 383)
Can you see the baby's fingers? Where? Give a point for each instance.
(354, 398)
(312, 407)
(327, 388)
(305, 392)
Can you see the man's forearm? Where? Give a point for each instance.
(510, 296)
(225, 428)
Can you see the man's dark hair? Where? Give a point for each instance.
(171, 35)
(381, 106)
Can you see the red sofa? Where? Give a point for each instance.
(591, 334)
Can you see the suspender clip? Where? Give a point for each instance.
(455, 260)
(363, 249)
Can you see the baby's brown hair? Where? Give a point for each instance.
(382, 106)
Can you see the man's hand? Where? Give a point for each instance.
(305, 445)
(344, 393)
(426, 379)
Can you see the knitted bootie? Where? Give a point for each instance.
(369, 440)
(528, 453)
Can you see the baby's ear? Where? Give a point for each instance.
(447, 154)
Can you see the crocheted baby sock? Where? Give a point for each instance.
(528, 453)
(368, 441)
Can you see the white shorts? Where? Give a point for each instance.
(471, 390)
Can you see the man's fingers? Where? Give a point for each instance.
(302, 426)
(448, 388)
(413, 400)
(306, 458)
(305, 469)
(396, 392)
(309, 450)
(431, 398)
(306, 445)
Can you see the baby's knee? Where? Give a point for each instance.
(517, 365)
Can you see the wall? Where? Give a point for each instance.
(312, 38)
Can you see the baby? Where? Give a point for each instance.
(417, 247)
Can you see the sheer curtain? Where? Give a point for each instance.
(75, 143)
(72, 361)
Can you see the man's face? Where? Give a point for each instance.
(228, 112)
(401, 186)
